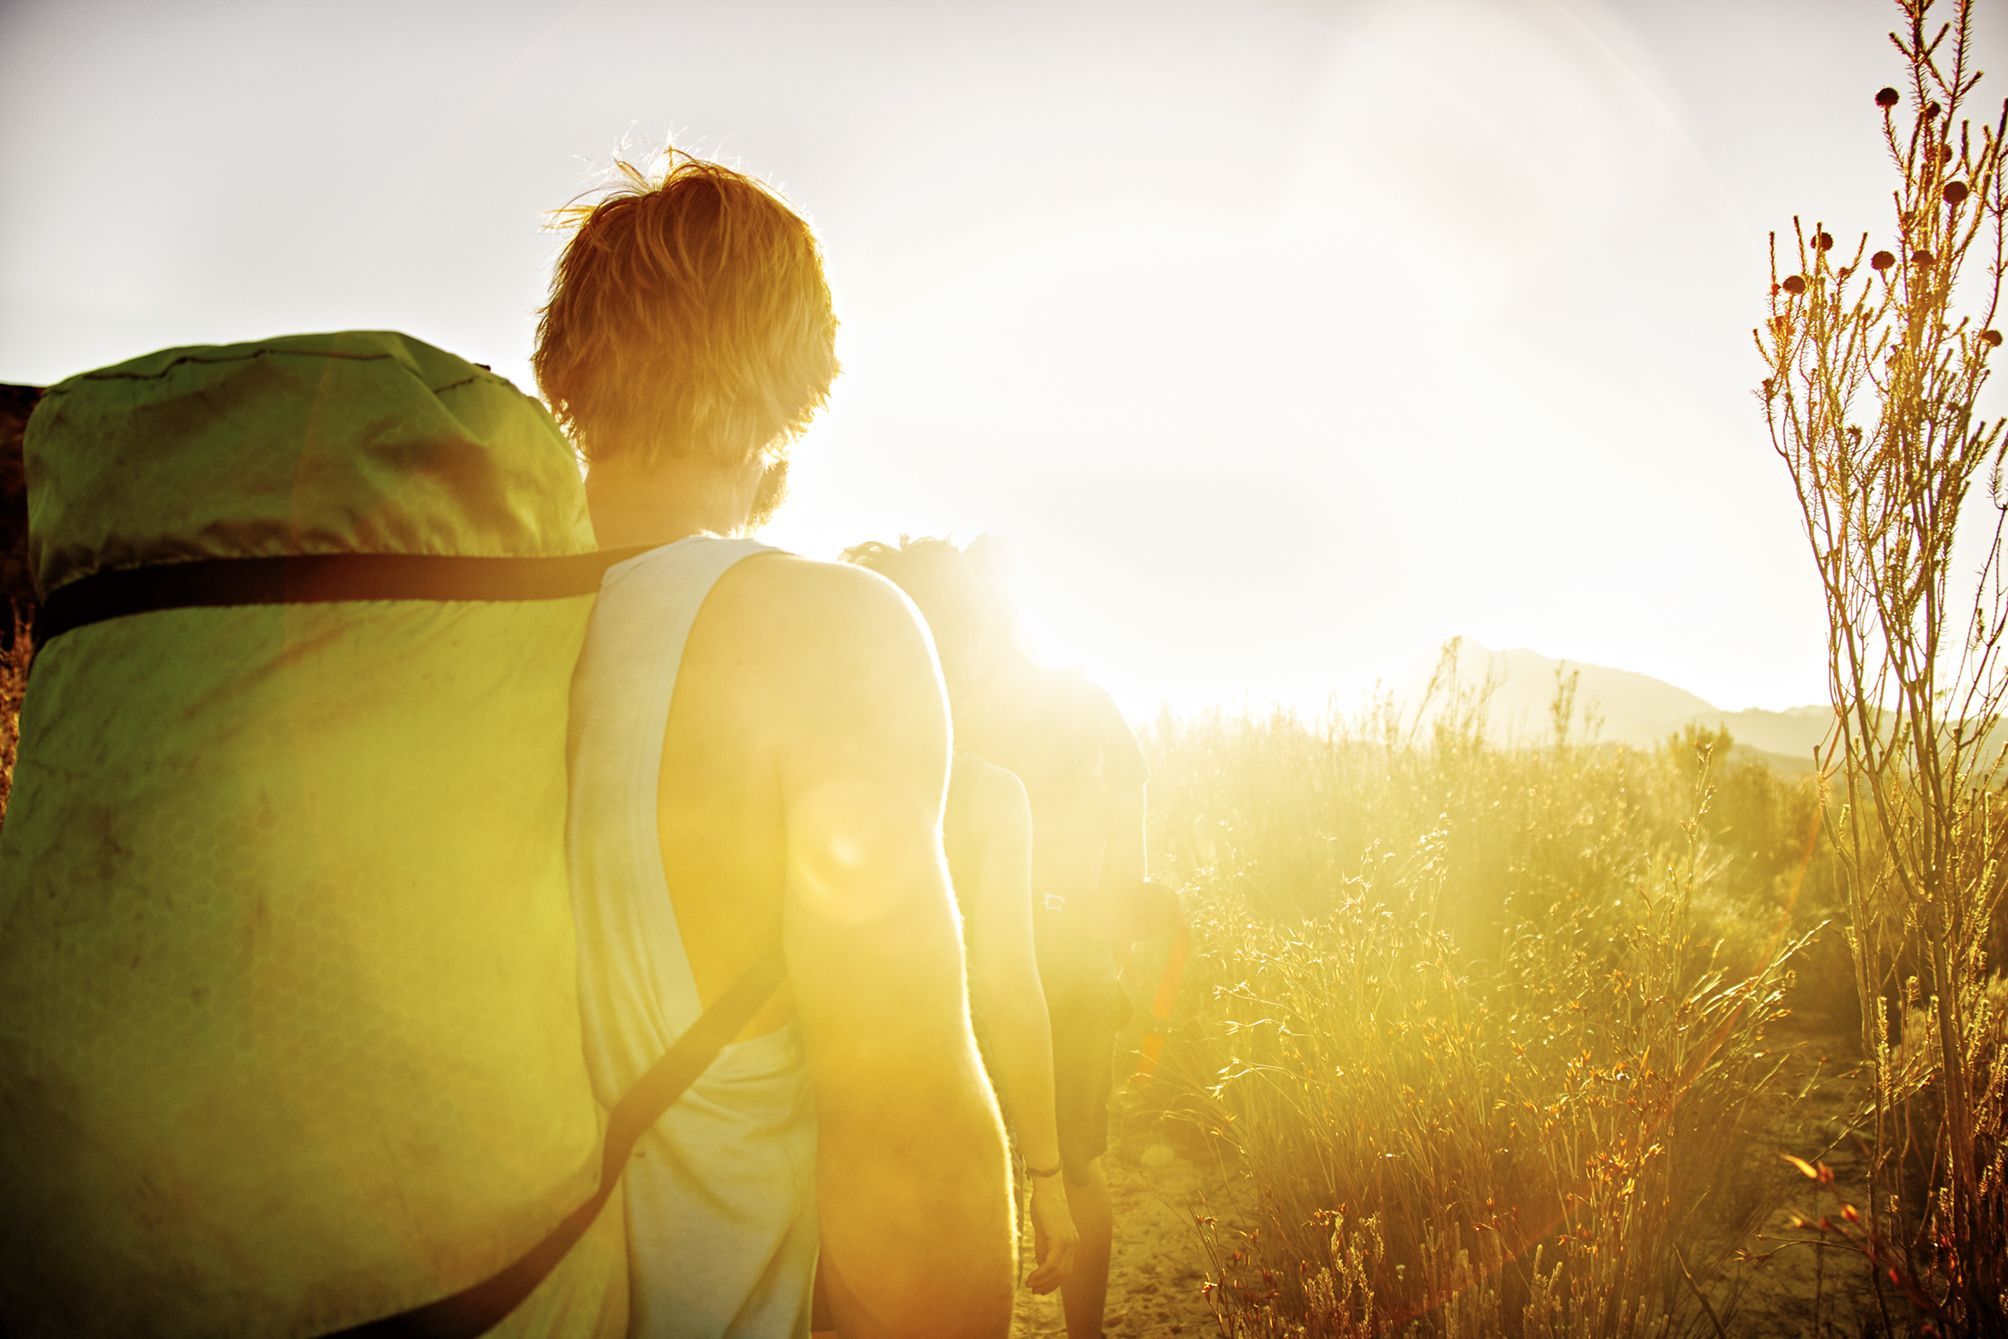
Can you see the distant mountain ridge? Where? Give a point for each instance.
(1627, 707)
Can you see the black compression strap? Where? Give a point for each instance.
(318, 578)
(476, 1310)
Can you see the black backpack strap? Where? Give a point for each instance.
(476, 1310)
(317, 578)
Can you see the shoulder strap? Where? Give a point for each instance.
(474, 1311)
(317, 578)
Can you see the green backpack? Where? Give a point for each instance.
(289, 1029)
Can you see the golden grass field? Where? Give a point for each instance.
(1484, 1040)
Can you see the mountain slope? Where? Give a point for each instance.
(1622, 706)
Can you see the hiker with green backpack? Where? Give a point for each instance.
(408, 844)
(759, 758)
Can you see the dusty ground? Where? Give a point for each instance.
(1792, 1287)
(1158, 1263)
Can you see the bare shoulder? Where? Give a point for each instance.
(806, 582)
(806, 607)
(833, 660)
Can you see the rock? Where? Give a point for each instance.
(1159, 1155)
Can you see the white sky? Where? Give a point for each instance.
(1283, 339)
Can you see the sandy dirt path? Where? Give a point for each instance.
(1158, 1262)
(1791, 1286)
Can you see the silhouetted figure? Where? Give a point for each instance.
(1084, 777)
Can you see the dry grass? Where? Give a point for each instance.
(1484, 1033)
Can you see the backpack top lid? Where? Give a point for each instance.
(349, 442)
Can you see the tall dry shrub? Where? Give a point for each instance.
(1876, 358)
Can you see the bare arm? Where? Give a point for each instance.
(1118, 906)
(991, 865)
(910, 1165)
(1146, 909)
(1124, 868)
(1140, 909)
(991, 861)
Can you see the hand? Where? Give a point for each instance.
(1053, 1235)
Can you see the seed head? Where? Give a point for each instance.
(1794, 285)
(1954, 193)
(1931, 109)
(1881, 260)
(1991, 338)
(1920, 257)
(1889, 97)
(1823, 241)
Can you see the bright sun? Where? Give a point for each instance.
(1277, 443)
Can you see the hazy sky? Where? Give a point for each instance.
(1283, 339)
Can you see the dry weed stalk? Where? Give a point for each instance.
(1874, 374)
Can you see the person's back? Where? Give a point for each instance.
(761, 753)
(720, 1195)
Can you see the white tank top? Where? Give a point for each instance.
(720, 1194)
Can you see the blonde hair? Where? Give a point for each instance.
(687, 313)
